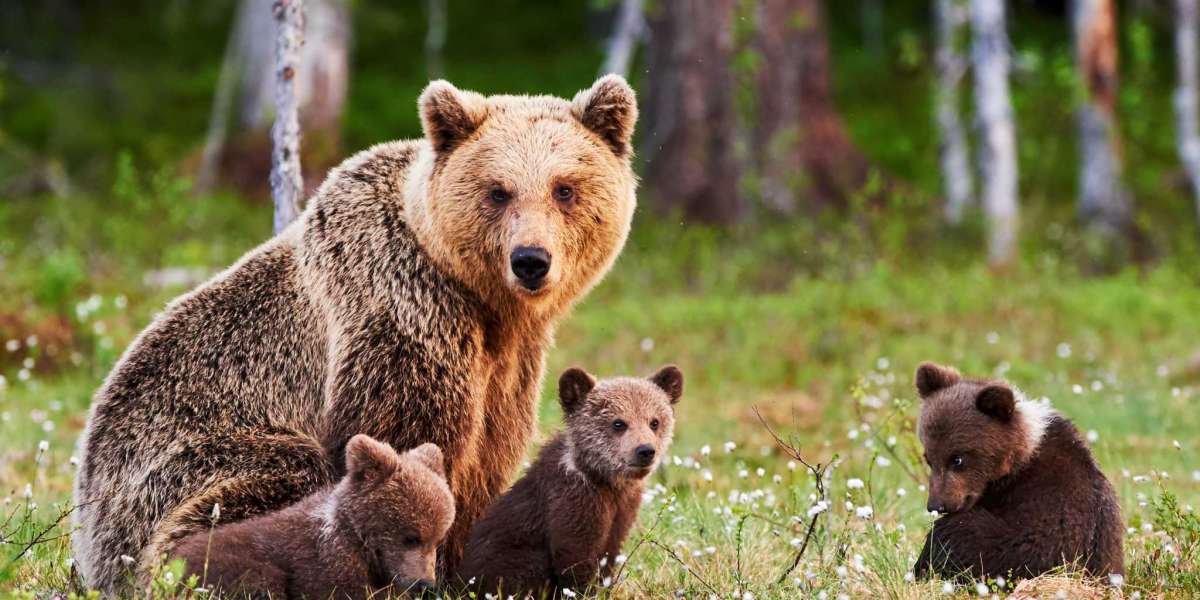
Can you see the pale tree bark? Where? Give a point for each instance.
(689, 119)
(287, 184)
(1187, 127)
(801, 148)
(1103, 199)
(435, 39)
(998, 147)
(218, 119)
(630, 25)
(950, 18)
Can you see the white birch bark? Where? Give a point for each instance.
(218, 118)
(435, 39)
(1103, 199)
(951, 18)
(287, 184)
(1188, 129)
(630, 26)
(998, 148)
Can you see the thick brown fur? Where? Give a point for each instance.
(1021, 493)
(389, 308)
(376, 531)
(563, 523)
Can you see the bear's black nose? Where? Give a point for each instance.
(936, 507)
(530, 264)
(645, 454)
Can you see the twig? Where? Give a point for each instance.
(38, 539)
(685, 566)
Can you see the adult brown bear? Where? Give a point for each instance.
(413, 301)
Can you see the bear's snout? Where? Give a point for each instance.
(530, 264)
(644, 455)
(935, 506)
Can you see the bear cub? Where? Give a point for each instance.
(377, 530)
(1018, 489)
(562, 524)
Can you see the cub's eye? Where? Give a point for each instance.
(956, 462)
(563, 192)
(654, 424)
(619, 426)
(499, 196)
(411, 541)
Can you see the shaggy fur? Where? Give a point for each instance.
(389, 308)
(377, 531)
(1020, 489)
(572, 510)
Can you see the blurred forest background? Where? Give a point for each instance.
(831, 192)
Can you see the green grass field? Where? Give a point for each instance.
(818, 332)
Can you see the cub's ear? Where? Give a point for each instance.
(996, 401)
(608, 109)
(670, 380)
(449, 115)
(368, 459)
(573, 388)
(931, 378)
(430, 455)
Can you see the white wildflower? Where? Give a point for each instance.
(882, 461)
(864, 512)
(647, 344)
(854, 483)
(981, 589)
(705, 450)
(730, 447)
(1063, 350)
(1093, 436)
(1116, 579)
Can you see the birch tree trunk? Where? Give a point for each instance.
(435, 39)
(287, 184)
(630, 26)
(800, 143)
(689, 119)
(950, 18)
(1188, 129)
(998, 151)
(1103, 200)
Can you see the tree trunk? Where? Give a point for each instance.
(1188, 130)
(287, 185)
(1103, 200)
(998, 152)
(800, 143)
(630, 24)
(218, 119)
(689, 117)
(435, 39)
(950, 17)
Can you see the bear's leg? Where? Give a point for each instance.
(974, 544)
(248, 474)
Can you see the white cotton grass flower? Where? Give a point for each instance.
(43, 446)
(882, 461)
(864, 512)
(947, 588)
(818, 508)
(730, 447)
(1116, 580)
(216, 511)
(981, 588)
(1093, 436)
(1063, 350)
(901, 492)
(705, 450)
(854, 483)
(568, 592)
(620, 560)
(28, 492)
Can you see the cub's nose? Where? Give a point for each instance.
(936, 507)
(645, 455)
(530, 264)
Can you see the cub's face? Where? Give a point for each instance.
(621, 427)
(399, 507)
(530, 198)
(969, 433)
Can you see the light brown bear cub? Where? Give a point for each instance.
(376, 530)
(573, 508)
(1019, 490)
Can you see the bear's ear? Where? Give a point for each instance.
(997, 401)
(368, 459)
(430, 455)
(573, 388)
(449, 115)
(608, 109)
(931, 378)
(670, 380)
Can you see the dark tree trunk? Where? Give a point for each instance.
(800, 144)
(689, 120)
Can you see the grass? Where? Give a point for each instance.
(786, 322)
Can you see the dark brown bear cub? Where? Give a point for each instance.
(1019, 490)
(376, 530)
(563, 523)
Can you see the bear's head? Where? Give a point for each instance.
(526, 199)
(975, 432)
(619, 428)
(397, 507)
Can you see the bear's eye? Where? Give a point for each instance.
(654, 424)
(619, 426)
(956, 462)
(499, 196)
(563, 192)
(411, 541)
